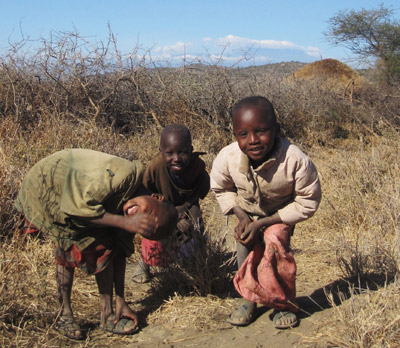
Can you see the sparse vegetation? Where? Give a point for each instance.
(67, 93)
(372, 33)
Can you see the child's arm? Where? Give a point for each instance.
(144, 224)
(223, 185)
(306, 194)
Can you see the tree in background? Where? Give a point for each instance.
(370, 33)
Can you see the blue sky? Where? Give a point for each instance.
(262, 31)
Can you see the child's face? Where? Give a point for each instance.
(155, 205)
(144, 204)
(176, 151)
(255, 133)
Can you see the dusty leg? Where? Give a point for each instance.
(114, 274)
(65, 277)
(66, 325)
(121, 307)
(242, 315)
(104, 281)
(242, 253)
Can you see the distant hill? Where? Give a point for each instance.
(283, 68)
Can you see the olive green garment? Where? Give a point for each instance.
(72, 184)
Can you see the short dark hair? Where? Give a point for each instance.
(177, 128)
(258, 102)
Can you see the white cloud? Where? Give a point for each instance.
(232, 49)
(178, 47)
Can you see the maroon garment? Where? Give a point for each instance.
(154, 253)
(268, 275)
(197, 181)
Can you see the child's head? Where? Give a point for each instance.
(255, 128)
(156, 205)
(176, 147)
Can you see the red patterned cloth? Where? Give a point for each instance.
(27, 228)
(268, 275)
(93, 259)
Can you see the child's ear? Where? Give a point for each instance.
(158, 196)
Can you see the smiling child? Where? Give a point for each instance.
(180, 176)
(270, 185)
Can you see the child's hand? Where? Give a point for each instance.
(182, 210)
(252, 229)
(249, 234)
(241, 228)
(142, 223)
(244, 220)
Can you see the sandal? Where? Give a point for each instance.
(242, 315)
(141, 273)
(125, 326)
(69, 328)
(284, 319)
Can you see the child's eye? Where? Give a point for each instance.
(242, 134)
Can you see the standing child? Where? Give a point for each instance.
(270, 185)
(180, 176)
(89, 204)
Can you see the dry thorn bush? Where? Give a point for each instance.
(67, 93)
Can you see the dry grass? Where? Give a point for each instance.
(366, 318)
(118, 108)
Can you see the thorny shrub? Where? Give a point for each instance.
(69, 93)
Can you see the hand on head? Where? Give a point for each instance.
(143, 223)
(156, 217)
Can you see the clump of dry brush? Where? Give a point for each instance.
(67, 92)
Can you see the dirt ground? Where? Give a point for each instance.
(313, 278)
(259, 334)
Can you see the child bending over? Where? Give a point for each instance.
(270, 185)
(90, 204)
(180, 176)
